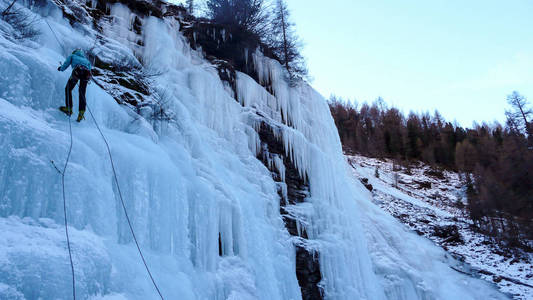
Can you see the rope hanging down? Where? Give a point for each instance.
(65, 211)
(62, 173)
(63, 183)
(55, 36)
(118, 188)
(123, 204)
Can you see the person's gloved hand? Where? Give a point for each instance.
(59, 68)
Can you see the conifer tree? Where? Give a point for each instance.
(249, 15)
(285, 42)
(519, 117)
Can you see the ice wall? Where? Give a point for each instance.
(364, 253)
(190, 184)
(193, 181)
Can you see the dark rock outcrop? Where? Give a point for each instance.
(449, 234)
(307, 262)
(367, 185)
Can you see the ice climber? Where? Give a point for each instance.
(81, 71)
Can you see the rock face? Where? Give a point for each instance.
(307, 264)
(365, 182)
(450, 234)
(231, 51)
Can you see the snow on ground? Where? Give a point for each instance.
(432, 207)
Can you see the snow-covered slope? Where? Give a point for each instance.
(205, 210)
(433, 204)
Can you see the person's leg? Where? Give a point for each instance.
(84, 80)
(68, 92)
(82, 89)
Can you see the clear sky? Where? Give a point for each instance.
(461, 57)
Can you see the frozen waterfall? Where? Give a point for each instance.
(205, 210)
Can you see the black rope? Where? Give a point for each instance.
(63, 179)
(124, 205)
(65, 210)
(54, 33)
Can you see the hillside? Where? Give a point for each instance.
(433, 204)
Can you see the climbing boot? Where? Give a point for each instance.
(80, 116)
(66, 110)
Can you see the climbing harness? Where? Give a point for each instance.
(118, 188)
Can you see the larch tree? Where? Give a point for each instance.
(519, 117)
(285, 42)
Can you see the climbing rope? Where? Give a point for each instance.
(65, 211)
(123, 204)
(63, 182)
(118, 188)
(62, 173)
(55, 35)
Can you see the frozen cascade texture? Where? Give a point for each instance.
(186, 184)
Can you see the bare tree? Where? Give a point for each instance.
(23, 23)
(6, 11)
(519, 117)
(520, 110)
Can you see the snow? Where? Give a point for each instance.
(424, 210)
(30, 247)
(385, 186)
(186, 183)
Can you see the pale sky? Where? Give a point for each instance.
(460, 57)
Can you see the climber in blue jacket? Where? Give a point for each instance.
(81, 71)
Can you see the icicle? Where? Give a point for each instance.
(280, 167)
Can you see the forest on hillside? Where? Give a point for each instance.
(495, 161)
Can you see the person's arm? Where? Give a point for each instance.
(66, 64)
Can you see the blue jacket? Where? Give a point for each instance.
(77, 58)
